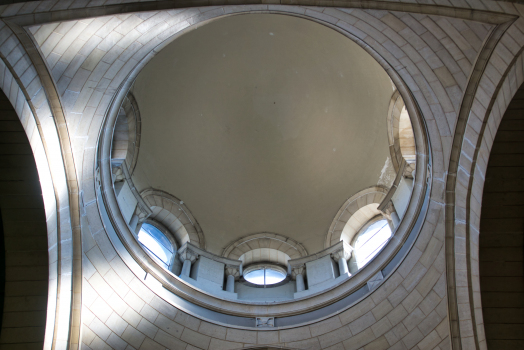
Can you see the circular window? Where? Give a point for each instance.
(156, 243)
(265, 275)
(370, 241)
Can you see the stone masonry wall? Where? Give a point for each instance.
(433, 50)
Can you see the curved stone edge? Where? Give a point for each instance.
(215, 303)
(374, 194)
(508, 5)
(49, 137)
(63, 10)
(261, 238)
(189, 222)
(489, 102)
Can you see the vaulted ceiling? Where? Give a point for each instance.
(262, 123)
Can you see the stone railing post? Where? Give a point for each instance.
(297, 273)
(342, 256)
(232, 273)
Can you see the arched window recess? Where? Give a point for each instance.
(160, 244)
(369, 241)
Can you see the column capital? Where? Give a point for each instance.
(118, 174)
(388, 210)
(344, 252)
(298, 270)
(186, 253)
(232, 270)
(142, 214)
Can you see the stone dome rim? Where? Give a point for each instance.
(321, 299)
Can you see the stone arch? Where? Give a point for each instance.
(261, 240)
(24, 261)
(174, 215)
(359, 218)
(400, 133)
(354, 213)
(264, 255)
(478, 122)
(43, 121)
(502, 233)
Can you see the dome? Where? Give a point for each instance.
(262, 123)
(262, 148)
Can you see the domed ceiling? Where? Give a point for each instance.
(262, 123)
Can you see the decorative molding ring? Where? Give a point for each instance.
(190, 299)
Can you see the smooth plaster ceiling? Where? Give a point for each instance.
(262, 123)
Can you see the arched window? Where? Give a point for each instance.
(264, 275)
(370, 241)
(156, 243)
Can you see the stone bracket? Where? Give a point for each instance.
(375, 281)
(265, 322)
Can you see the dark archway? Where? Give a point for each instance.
(24, 268)
(501, 233)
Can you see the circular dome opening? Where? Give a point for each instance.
(258, 130)
(265, 275)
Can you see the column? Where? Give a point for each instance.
(390, 214)
(134, 222)
(230, 284)
(232, 273)
(300, 283)
(187, 258)
(186, 268)
(342, 256)
(343, 266)
(297, 272)
(395, 218)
